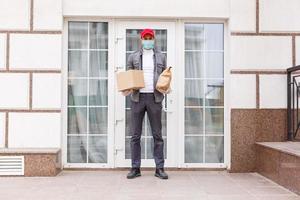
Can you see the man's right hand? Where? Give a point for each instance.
(127, 92)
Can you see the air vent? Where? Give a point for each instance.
(11, 165)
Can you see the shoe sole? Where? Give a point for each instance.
(161, 177)
(134, 176)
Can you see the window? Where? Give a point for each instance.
(204, 93)
(87, 92)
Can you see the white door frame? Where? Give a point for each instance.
(120, 117)
(177, 107)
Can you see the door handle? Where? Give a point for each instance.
(165, 109)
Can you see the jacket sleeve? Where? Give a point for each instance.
(164, 62)
(130, 62)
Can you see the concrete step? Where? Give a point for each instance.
(280, 162)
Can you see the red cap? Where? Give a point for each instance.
(147, 31)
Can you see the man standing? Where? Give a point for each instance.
(149, 100)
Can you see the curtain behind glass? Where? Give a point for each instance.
(204, 83)
(87, 92)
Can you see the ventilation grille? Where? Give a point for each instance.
(11, 165)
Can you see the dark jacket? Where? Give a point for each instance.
(135, 62)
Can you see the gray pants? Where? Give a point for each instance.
(146, 103)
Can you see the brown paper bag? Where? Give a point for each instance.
(164, 81)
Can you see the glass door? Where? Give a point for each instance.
(88, 103)
(204, 94)
(128, 41)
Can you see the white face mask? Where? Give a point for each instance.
(148, 44)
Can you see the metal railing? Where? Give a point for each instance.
(293, 94)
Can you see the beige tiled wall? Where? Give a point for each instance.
(2, 51)
(30, 73)
(242, 15)
(15, 15)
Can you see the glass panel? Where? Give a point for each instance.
(133, 42)
(214, 121)
(214, 36)
(150, 148)
(77, 92)
(98, 63)
(194, 36)
(193, 149)
(204, 78)
(77, 120)
(98, 35)
(214, 149)
(97, 149)
(77, 150)
(194, 93)
(161, 40)
(78, 35)
(97, 120)
(193, 121)
(194, 64)
(214, 92)
(98, 92)
(87, 96)
(77, 63)
(214, 63)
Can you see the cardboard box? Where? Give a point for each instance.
(130, 79)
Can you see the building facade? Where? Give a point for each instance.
(59, 104)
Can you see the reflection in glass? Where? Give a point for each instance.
(98, 63)
(193, 149)
(77, 119)
(98, 120)
(78, 62)
(77, 151)
(214, 36)
(98, 92)
(78, 35)
(194, 93)
(194, 64)
(97, 149)
(193, 121)
(214, 149)
(214, 62)
(77, 92)
(98, 35)
(214, 94)
(214, 120)
(194, 37)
